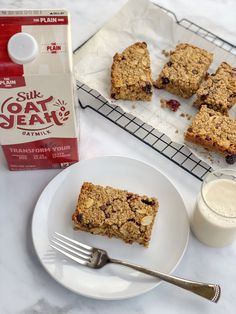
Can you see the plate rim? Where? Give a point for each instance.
(97, 297)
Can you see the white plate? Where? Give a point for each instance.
(53, 213)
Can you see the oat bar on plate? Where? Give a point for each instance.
(115, 213)
(131, 74)
(214, 131)
(218, 91)
(185, 70)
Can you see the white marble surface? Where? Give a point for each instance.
(24, 285)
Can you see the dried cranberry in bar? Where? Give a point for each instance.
(38, 128)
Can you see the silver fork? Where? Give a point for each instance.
(97, 258)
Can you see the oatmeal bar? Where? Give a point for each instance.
(185, 70)
(214, 131)
(115, 213)
(218, 91)
(131, 74)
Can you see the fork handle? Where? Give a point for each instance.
(205, 290)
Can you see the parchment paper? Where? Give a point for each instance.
(140, 20)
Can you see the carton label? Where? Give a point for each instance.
(32, 111)
(38, 126)
(49, 153)
(12, 82)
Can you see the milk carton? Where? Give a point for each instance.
(38, 128)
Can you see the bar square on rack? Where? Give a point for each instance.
(131, 74)
(218, 91)
(213, 131)
(185, 70)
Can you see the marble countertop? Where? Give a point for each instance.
(25, 287)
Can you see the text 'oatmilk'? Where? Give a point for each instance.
(38, 127)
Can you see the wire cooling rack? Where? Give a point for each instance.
(179, 154)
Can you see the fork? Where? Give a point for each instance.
(97, 258)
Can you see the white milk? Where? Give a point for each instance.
(214, 218)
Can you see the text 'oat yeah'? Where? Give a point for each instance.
(28, 109)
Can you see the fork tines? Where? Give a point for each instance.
(81, 253)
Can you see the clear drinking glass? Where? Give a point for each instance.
(214, 217)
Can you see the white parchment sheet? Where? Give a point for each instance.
(140, 20)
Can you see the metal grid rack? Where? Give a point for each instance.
(179, 154)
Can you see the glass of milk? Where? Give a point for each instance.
(214, 217)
